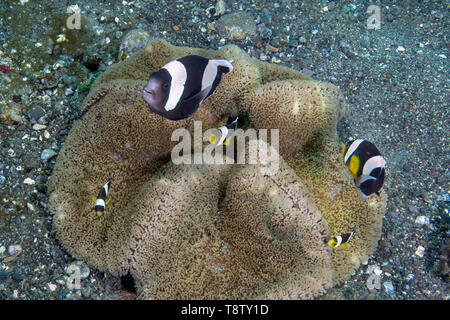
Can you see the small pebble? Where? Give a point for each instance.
(2, 179)
(388, 288)
(220, 8)
(38, 126)
(86, 292)
(236, 26)
(29, 181)
(383, 244)
(68, 91)
(69, 80)
(271, 48)
(421, 220)
(48, 154)
(42, 188)
(51, 286)
(30, 206)
(79, 266)
(35, 113)
(426, 197)
(420, 251)
(61, 282)
(15, 250)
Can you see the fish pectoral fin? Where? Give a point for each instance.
(94, 199)
(344, 245)
(190, 105)
(363, 178)
(107, 201)
(212, 139)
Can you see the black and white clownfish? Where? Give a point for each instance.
(223, 134)
(100, 201)
(177, 89)
(366, 165)
(341, 240)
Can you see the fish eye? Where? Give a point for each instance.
(165, 85)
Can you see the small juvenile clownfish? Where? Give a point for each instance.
(177, 89)
(341, 240)
(100, 201)
(366, 165)
(224, 133)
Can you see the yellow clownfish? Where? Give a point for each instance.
(100, 201)
(341, 240)
(223, 134)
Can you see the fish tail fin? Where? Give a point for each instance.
(332, 243)
(361, 194)
(227, 142)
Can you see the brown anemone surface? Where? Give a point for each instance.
(212, 231)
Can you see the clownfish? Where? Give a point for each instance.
(177, 89)
(100, 201)
(223, 134)
(341, 240)
(366, 165)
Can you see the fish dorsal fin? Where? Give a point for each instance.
(190, 105)
(224, 65)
